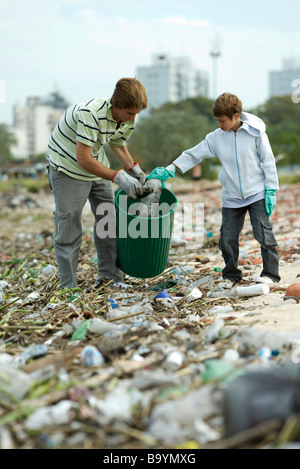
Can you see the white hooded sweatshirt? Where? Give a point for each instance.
(248, 163)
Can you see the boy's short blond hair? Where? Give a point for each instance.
(129, 93)
(227, 104)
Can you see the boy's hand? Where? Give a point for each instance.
(270, 200)
(162, 173)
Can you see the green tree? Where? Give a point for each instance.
(279, 110)
(7, 139)
(160, 138)
(199, 106)
(282, 118)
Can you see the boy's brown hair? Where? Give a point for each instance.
(129, 93)
(227, 104)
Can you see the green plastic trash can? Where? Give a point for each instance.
(143, 242)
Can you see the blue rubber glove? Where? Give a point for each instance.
(162, 173)
(270, 200)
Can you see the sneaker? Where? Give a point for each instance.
(105, 281)
(264, 279)
(226, 283)
(120, 285)
(112, 283)
(100, 281)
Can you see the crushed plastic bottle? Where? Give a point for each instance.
(49, 270)
(35, 351)
(207, 281)
(181, 270)
(33, 296)
(221, 309)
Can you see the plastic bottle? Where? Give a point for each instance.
(49, 270)
(202, 282)
(35, 351)
(181, 270)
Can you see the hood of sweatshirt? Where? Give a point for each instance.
(253, 124)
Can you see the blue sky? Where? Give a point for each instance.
(83, 47)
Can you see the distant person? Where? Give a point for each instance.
(249, 179)
(79, 170)
(197, 173)
(197, 179)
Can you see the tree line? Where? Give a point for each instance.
(162, 136)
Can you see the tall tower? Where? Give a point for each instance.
(215, 53)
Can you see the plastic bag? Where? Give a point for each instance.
(261, 395)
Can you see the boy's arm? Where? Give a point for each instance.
(193, 156)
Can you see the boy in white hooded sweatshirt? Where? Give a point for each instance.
(249, 179)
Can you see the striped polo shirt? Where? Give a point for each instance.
(90, 123)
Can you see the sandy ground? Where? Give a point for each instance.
(269, 311)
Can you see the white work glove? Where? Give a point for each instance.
(136, 172)
(154, 186)
(129, 184)
(148, 205)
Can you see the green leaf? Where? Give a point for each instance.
(81, 331)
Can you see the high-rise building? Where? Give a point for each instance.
(281, 81)
(34, 123)
(170, 79)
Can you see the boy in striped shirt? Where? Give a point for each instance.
(79, 170)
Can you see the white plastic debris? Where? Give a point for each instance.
(13, 381)
(253, 290)
(58, 414)
(192, 294)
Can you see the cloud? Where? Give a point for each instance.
(184, 22)
(85, 48)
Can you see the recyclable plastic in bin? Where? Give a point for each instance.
(143, 242)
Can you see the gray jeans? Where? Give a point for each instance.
(232, 225)
(70, 196)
